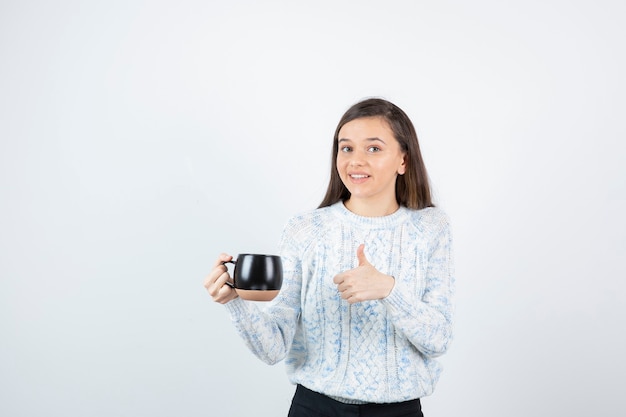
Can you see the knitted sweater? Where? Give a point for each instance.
(376, 351)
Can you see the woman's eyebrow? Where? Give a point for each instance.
(374, 139)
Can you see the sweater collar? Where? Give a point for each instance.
(396, 218)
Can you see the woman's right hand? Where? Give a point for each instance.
(215, 282)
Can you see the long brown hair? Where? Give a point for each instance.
(412, 188)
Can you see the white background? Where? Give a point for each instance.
(139, 139)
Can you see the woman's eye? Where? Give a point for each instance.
(373, 149)
(345, 149)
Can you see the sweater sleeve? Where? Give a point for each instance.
(268, 332)
(427, 321)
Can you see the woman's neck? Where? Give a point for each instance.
(368, 208)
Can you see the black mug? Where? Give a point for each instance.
(257, 277)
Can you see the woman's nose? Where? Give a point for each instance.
(355, 162)
(356, 159)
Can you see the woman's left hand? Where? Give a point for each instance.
(363, 282)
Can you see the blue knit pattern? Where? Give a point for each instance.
(376, 351)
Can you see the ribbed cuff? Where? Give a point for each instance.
(236, 308)
(396, 301)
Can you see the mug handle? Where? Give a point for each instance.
(228, 283)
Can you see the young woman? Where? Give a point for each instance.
(366, 305)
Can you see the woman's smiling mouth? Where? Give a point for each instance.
(358, 178)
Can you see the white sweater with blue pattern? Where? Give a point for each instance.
(376, 351)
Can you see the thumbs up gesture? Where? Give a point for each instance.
(364, 282)
(360, 255)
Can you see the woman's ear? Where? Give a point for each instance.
(402, 167)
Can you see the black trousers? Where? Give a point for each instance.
(307, 403)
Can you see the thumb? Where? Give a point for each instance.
(360, 254)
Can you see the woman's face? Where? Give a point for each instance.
(369, 159)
